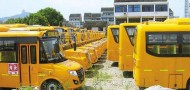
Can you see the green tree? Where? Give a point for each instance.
(13, 21)
(42, 17)
(10, 21)
(36, 19)
(54, 17)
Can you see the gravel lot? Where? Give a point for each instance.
(105, 75)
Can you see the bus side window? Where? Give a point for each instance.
(33, 54)
(115, 32)
(131, 30)
(186, 44)
(156, 49)
(160, 43)
(24, 54)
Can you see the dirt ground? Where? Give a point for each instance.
(105, 75)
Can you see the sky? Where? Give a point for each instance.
(66, 7)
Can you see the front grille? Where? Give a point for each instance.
(80, 74)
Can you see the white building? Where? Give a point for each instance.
(186, 8)
(107, 14)
(140, 10)
(76, 20)
(92, 17)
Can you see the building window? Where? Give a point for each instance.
(161, 8)
(104, 19)
(120, 8)
(118, 21)
(100, 28)
(134, 20)
(97, 18)
(147, 19)
(134, 8)
(160, 19)
(147, 8)
(111, 19)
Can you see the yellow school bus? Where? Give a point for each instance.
(113, 43)
(184, 21)
(90, 50)
(33, 59)
(14, 25)
(126, 46)
(79, 55)
(66, 48)
(161, 55)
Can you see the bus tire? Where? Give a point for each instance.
(188, 85)
(51, 85)
(141, 88)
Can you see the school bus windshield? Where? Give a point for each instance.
(60, 31)
(49, 54)
(131, 30)
(61, 35)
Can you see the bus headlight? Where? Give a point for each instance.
(74, 73)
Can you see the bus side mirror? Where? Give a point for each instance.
(56, 48)
(74, 44)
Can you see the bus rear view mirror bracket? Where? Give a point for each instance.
(56, 47)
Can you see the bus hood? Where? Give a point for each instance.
(70, 65)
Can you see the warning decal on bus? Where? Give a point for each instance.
(12, 68)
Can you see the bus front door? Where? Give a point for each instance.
(28, 64)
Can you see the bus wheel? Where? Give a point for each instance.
(188, 85)
(128, 74)
(51, 85)
(141, 88)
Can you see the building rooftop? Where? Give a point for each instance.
(95, 23)
(87, 14)
(92, 15)
(75, 15)
(140, 0)
(96, 14)
(107, 9)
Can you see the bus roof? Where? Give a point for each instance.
(3, 29)
(163, 27)
(22, 34)
(14, 25)
(66, 28)
(40, 28)
(180, 21)
(113, 26)
(32, 28)
(129, 24)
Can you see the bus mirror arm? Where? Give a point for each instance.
(74, 44)
(56, 48)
